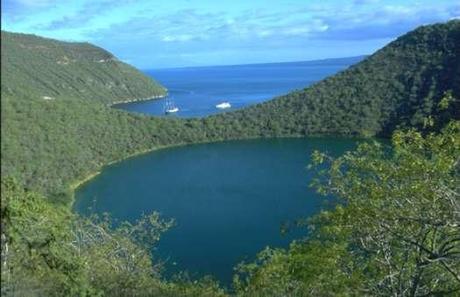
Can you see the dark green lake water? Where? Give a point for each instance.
(229, 199)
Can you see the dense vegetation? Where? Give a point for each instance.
(38, 68)
(398, 86)
(50, 143)
(397, 233)
(49, 251)
(57, 128)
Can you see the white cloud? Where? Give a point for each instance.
(36, 3)
(180, 38)
(365, 2)
(304, 30)
(401, 10)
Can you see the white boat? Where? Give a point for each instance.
(169, 107)
(172, 110)
(223, 105)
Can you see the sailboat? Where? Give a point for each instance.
(170, 107)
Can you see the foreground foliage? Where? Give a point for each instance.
(395, 232)
(48, 251)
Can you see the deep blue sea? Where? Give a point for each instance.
(196, 91)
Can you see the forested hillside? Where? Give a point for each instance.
(56, 126)
(46, 69)
(48, 144)
(398, 86)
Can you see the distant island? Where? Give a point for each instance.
(308, 62)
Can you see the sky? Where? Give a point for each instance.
(153, 34)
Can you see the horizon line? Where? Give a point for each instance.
(255, 63)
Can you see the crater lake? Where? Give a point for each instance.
(230, 199)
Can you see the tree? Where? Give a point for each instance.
(394, 232)
(37, 257)
(48, 251)
(402, 211)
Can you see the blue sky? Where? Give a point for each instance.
(175, 33)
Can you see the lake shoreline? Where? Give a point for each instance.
(154, 97)
(236, 173)
(74, 186)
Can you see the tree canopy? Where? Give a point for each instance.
(394, 232)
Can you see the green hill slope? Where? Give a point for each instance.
(56, 126)
(399, 85)
(46, 69)
(47, 144)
